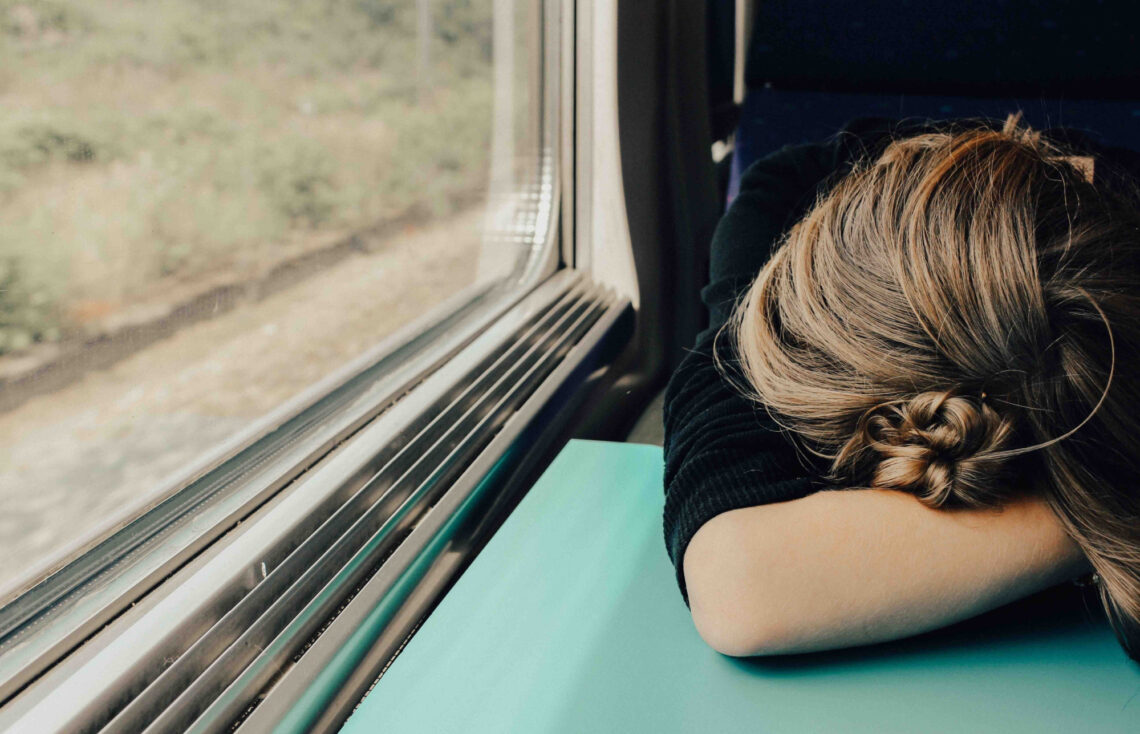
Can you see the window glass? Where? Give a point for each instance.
(209, 205)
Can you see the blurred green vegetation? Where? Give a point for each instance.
(144, 141)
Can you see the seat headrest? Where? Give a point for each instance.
(1055, 48)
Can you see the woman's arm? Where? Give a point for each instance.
(723, 452)
(842, 568)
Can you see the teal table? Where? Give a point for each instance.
(570, 621)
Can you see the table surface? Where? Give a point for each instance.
(570, 621)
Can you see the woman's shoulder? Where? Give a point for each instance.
(777, 190)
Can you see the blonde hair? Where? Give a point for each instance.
(959, 318)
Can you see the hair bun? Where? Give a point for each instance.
(943, 448)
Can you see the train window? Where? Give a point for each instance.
(276, 278)
(210, 206)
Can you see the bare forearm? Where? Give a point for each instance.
(844, 568)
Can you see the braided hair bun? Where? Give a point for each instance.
(946, 449)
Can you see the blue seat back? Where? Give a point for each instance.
(814, 65)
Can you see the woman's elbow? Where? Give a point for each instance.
(731, 609)
(731, 637)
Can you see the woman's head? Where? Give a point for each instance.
(959, 318)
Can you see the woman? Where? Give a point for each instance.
(944, 319)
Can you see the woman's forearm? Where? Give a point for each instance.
(843, 568)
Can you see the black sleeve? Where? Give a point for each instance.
(723, 452)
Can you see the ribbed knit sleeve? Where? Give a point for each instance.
(723, 452)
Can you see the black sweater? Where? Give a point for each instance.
(721, 451)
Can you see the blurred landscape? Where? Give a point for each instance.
(149, 144)
(152, 150)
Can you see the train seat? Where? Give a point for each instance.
(570, 620)
(813, 65)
